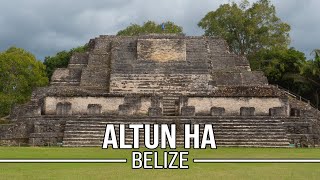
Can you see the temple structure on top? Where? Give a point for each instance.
(161, 79)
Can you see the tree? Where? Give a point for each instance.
(316, 53)
(247, 29)
(150, 27)
(310, 73)
(60, 60)
(282, 67)
(20, 72)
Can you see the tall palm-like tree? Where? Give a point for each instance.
(316, 52)
(311, 72)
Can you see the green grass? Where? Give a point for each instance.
(124, 171)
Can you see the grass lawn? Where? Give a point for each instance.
(124, 171)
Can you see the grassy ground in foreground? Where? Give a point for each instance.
(124, 171)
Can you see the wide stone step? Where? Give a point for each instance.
(166, 109)
(251, 140)
(169, 106)
(168, 112)
(245, 128)
(216, 132)
(130, 139)
(215, 126)
(221, 144)
(114, 121)
(148, 121)
(258, 146)
(203, 120)
(168, 101)
(164, 113)
(252, 133)
(169, 98)
(254, 143)
(172, 105)
(215, 129)
(81, 145)
(217, 135)
(213, 123)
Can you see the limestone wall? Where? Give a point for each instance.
(159, 83)
(79, 105)
(232, 105)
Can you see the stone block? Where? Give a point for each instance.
(44, 139)
(94, 76)
(79, 58)
(247, 111)
(161, 50)
(125, 109)
(277, 111)
(217, 111)
(307, 114)
(183, 101)
(188, 111)
(64, 108)
(60, 74)
(294, 112)
(94, 109)
(155, 111)
(132, 100)
(155, 101)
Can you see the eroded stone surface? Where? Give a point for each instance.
(161, 79)
(161, 50)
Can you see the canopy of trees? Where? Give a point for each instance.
(20, 72)
(283, 67)
(310, 75)
(150, 27)
(247, 29)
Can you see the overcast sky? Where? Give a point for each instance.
(45, 27)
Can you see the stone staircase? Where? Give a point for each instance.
(170, 105)
(250, 133)
(239, 132)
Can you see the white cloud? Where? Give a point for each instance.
(45, 27)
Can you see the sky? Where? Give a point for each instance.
(45, 27)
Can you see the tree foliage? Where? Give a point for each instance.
(247, 29)
(20, 72)
(60, 60)
(282, 66)
(310, 72)
(311, 69)
(150, 27)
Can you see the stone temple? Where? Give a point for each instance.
(161, 79)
